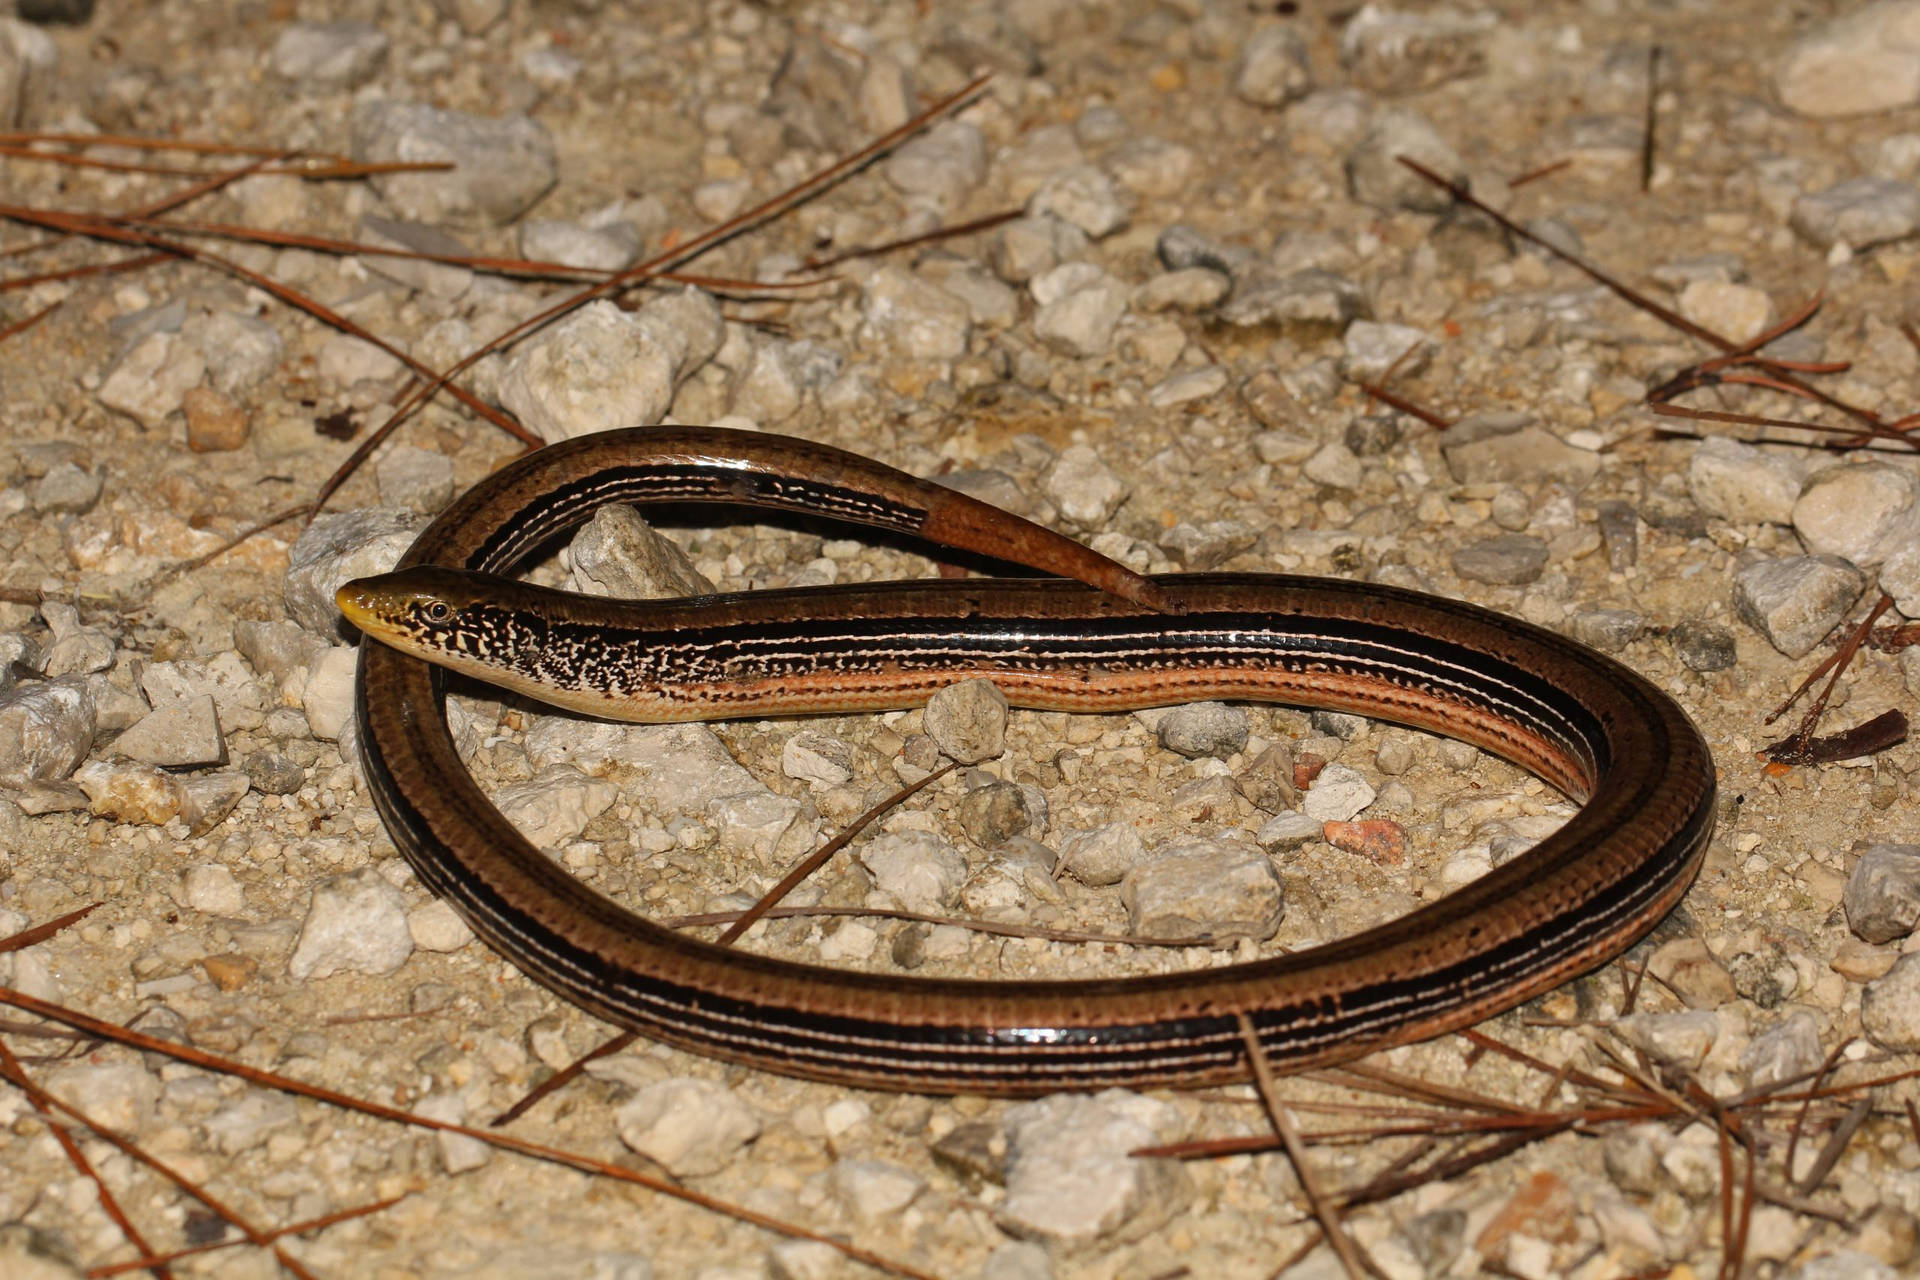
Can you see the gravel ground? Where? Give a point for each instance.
(1161, 354)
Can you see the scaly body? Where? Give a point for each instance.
(1590, 727)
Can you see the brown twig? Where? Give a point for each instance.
(11, 1070)
(802, 191)
(278, 1233)
(1323, 1208)
(741, 922)
(1648, 128)
(506, 1142)
(41, 932)
(1835, 663)
(987, 223)
(815, 860)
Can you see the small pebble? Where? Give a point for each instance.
(355, 923)
(1215, 891)
(943, 165)
(212, 889)
(1335, 465)
(617, 553)
(1376, 177)
(1507, 559)
(611, 246)
(1741, 483)
(1392, 52)
(183, 735)
(601, 365)
(1374, 434)
(46, 729)
(1083, 487)
(459, 1153)
(1152, 167)
(1882, 896)
(1080, 305)
(1103, 855)
(1608, 630)
(1312, 298)
(874, 1190)
(1737, 312)
(1890, 1007)
(1704, 646)
(1788, 1050)
(76, 649)
(1071, 1181)
(414, 479)
(1690, 969)
(1859, 213)
(216, 423)
(1337, 793)
(1679, 1039)
(1509, 448)
(1029, 247)
(1203, 729)
(151, 379)
(1183, 388)
(1083, 197)
(1860, 511)
(912, 317)
(249, 1120)
(818, 759)
(691, 1127)
(556, 804)
(240, 351)
(1380, 841)
(996, 813)
(436, 926)
(1274, 68)
(917, 869)
(123, 1096)
(1286, 831)
(1267, 780)
(968, 721)
(66, 489)
(1369, 350)
(499, 166)
(1861, 62)
(1194, 289)
(1794, 601)
(1183, 248)
(329, 55)
(327, 695)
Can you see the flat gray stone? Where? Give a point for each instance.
(1274, 68)
(337, 548)
(1739, 482)
(46, 729)
(1794, 601)
(1070, 1180)
(500, 166)
(1865, 61)
(330, 55)
(182, 735)
(1508, 559)
(1860, 212)
(1509, 448)
(1216, 890)
(1882, 897)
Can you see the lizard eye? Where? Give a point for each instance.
(438, 611)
